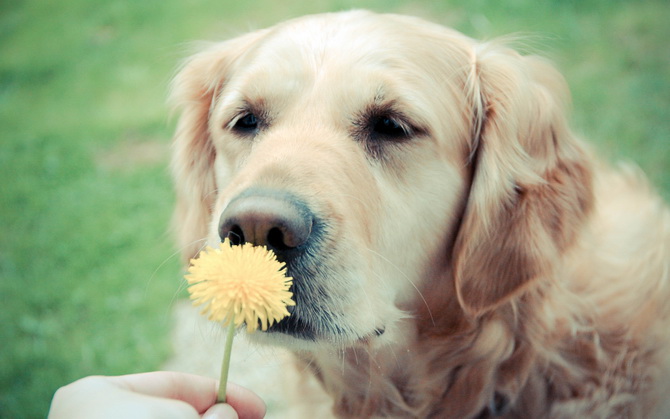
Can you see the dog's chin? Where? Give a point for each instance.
(316, 343)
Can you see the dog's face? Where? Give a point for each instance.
(343, 142)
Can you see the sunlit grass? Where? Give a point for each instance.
(87, 272)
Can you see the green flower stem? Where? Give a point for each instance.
(225, 366)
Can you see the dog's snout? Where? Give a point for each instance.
(278, 221)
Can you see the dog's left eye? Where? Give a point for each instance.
(247, 123)
(389, 127)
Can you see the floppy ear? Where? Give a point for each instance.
(194, 88)
(531, 180)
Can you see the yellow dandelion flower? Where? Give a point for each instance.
(236, 285)
(243, 284)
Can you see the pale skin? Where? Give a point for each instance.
(159, 394)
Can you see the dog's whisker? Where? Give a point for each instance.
(343, 359)
(158, 268)
(404, 275)
(182, 283)
(213, 192)
(368, 300)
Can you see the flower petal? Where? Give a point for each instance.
(245, 280)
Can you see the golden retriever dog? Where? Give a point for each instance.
(457, 251)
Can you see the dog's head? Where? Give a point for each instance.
(377, 155)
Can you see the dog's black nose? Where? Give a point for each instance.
(273, 219)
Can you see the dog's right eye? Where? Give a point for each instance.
(246, 123)
(388, 127)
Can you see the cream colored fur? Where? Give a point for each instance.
(513, 273)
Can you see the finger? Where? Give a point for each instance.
(246, 403)
(220, 411)
(199, 392)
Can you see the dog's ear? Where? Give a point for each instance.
(201, 78)
(531, 182)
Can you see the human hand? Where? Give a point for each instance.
(159, 394)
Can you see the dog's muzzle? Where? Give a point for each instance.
(284, 223)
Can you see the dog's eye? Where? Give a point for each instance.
(246, 123)
(388, 127)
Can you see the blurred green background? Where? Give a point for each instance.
(88, 271)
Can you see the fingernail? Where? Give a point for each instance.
(220, 411)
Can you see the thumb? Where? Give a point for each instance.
(220, 411)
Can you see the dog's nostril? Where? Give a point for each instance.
(236, 235)
(275, 239)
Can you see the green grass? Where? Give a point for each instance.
(87, 272)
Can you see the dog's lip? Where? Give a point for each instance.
(295, 326)
(368, 338)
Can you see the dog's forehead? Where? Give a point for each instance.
(328, 41)
(348, 44)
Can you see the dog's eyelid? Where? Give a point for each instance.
(245, 122)
(238, 116)
(388, 116)
(393, 125)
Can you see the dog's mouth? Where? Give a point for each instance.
(312, 321)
